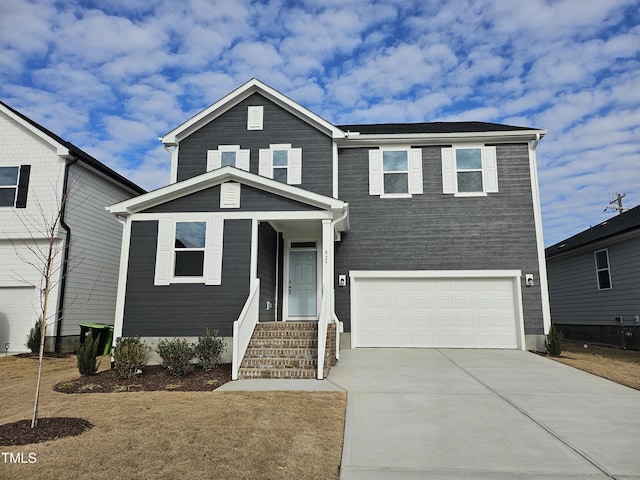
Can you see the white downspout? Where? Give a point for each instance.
(339, 326)
(537, 214)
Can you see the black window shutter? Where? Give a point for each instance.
(23, 186)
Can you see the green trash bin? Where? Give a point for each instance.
(105, 332)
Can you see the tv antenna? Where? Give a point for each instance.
(618, 201)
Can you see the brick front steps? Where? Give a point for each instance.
(285, 350)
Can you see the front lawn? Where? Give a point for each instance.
(620, 366)
(169, 435)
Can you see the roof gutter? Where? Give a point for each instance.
(65, 253)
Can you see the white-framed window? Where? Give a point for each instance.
(9, 185)
(189, 250)
(469, 170)
(603, 272)
(281, 162)
(228, 155)
(395, 172)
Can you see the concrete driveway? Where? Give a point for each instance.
(482, 414)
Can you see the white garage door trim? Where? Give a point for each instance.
(513, 275)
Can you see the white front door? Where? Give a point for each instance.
(303, 284)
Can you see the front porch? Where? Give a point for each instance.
(288, 328)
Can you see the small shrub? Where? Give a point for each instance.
(553, 342)
(176, 356)
(209, 349)
(87, 355)
(129, 355)
(33, 339)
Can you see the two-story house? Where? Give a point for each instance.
(399, 235)
(42, 176)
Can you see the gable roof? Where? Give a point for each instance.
(218, 176)
(68, 149)
(238, 95)
(620, 224)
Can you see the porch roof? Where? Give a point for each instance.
(231, 174)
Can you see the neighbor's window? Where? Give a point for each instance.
(602, 269)
(189, 249)
(395, 170)
(469, 169)
(8, 186)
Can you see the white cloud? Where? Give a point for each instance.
(112, 77)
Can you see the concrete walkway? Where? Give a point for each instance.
(482, 414)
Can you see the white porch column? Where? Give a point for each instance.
(327, 257)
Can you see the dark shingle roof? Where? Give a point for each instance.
(81, 154)
(430, 127)
(623, 223)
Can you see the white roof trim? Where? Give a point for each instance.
(216, 177)
(238, 95)
(356, 139)
(60, 149)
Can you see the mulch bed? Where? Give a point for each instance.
(153, 378)
(21, 433)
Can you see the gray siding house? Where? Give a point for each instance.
(38, 169)
(395, 235)
(594, 282)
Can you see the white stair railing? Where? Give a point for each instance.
(244, 326)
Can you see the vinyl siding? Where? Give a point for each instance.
(19, 146)
(94, 254)
(185, 309)
(434, 231)
(280, 126)
(267, 255)
(573, 285)
(251, 200)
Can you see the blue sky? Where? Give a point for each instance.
(111, 77)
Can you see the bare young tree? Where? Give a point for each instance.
(41, 250)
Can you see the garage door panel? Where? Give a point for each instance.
(17, 316)
(435, 312)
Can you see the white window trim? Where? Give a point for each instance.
(489, 170)
(414, 172)
(598, 270)
(165, 250)
(214, 157)
(294, 160)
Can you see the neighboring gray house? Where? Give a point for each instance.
(37, 169)
(594, 282)
(401, 235)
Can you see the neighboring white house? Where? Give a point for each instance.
(37, 170)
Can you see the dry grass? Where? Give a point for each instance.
(620, 366)
(169, 435)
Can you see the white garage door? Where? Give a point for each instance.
(17, 317)
(434, 312)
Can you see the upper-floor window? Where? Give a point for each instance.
(395, 172)
(228, 155)
(282, 163)
(469, 170)
(603, 272)
(14, 184)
